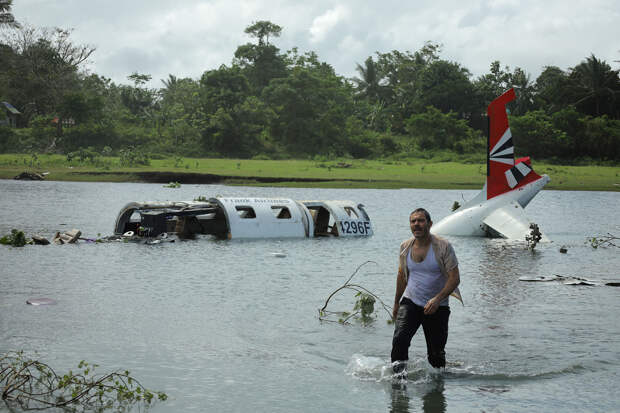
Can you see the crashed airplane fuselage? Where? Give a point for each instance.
(497, 211)
(244, 218)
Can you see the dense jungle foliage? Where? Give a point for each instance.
(269, 104)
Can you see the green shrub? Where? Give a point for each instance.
(15, 238)
(7, 138)
(133, 156)
(83, 155)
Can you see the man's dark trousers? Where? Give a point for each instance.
(408, 319)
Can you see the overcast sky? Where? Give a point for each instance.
(187, 37)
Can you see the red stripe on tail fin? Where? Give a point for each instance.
(503, 174)
(500, 155)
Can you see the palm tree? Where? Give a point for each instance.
(171, 82)
(369, 82)
(597, 87)
(524, 88)
(6, 17)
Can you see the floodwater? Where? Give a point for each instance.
(229, 326)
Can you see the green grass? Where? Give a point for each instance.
(412, 173)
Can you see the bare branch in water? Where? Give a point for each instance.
(604, 241)
(364, 305)
(33, 385)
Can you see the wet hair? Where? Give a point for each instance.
(422, 210)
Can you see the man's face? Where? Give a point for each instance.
(420, 227)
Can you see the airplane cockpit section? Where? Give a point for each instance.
(244, 218)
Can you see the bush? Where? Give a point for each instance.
(83, 155)
(389, 145)
(133, 156)
(42, 133)
(7, 139)
(536, 136)
(90, 135)
(436, 130)
(15, 238)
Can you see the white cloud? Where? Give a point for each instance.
(324, 23)
(188, 37)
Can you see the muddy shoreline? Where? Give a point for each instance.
(198, 178)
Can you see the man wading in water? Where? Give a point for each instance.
(428, 273)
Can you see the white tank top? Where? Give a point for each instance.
(425, 279)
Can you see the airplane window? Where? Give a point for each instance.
(281, 212)
(245, 212)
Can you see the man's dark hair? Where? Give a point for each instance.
(424, 211)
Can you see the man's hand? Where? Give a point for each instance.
(431, 306)
(395, 312)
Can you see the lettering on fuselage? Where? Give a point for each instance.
(355, 227)
(257, 201)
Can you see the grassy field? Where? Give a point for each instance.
(346, 173)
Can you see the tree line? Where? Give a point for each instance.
(271, 104)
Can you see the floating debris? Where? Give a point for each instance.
(533, 237)
(40, 301)
(39, 240)
(604, 241)
(67, 237)
(570, 280)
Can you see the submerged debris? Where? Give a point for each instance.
(18, 239)
(604, 241)
(39, 240)
(245, 218)
(534, 236)
(67, 237)
(570, 280)
(40, 301)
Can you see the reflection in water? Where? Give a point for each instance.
(433, 399)
(400, 398)
(500, 261)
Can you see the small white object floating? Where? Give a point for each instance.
(245, 218)
(278, 254)
(40, 301)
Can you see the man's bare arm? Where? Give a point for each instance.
(401, 284)
(453, 281)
